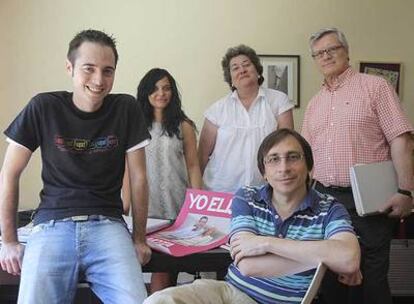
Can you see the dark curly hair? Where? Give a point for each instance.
(91, 36)
(173, 115)
(236, 51)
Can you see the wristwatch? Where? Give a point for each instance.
(405, 192)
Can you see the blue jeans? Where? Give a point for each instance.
(99, 249)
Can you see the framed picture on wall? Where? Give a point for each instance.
(281, 72)
(389, 71)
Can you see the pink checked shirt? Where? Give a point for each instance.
(352, 122)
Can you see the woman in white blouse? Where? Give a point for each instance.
(235, 125)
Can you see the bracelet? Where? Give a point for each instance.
(405, 192)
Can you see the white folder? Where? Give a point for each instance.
(315, 284)
(372, 186)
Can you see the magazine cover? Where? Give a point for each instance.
(203, 223)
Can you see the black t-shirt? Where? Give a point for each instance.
(83, 154)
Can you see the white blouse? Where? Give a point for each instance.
(240, 132)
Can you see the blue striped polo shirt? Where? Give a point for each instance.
(318, 217)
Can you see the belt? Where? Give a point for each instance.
(83, 218)
(333, 188)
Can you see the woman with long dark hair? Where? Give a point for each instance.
(171, 156)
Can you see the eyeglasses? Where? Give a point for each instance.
(329, 51)
(275, 159)
(244, 65)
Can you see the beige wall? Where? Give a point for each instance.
(187, 37)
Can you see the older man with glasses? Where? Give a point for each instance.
(357, 118)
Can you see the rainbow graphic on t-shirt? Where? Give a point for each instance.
(80, 145)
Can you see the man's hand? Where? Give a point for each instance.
(11, 257)
(399, 206)
(143, 252)
(352, 279)
(244, 245)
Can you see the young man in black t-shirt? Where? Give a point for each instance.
(84, 137)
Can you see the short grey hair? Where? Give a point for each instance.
(325, 31)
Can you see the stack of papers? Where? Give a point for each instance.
(152, 224)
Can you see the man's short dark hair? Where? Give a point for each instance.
(91, 36)
(275, 138)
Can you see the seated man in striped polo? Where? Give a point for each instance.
(279, 234)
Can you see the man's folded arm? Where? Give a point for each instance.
(253, 254)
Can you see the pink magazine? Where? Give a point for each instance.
(203, 224)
